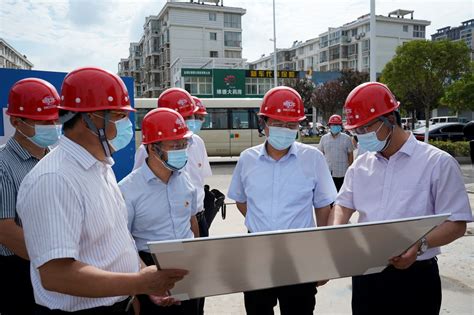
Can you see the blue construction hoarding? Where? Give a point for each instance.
(123, 158)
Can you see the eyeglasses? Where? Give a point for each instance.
(174, 145)
(114, 115)
(365, 129)
(280, 124)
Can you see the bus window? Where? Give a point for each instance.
(254, 118)
(240, 119)
(140, 113)
(216, 119)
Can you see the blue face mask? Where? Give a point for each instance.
(45, 135)
(335, 129)
(370, 142)
(281, 138)
(177, 159)
(124, 134)
(194, 125)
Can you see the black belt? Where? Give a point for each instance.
(119, 307)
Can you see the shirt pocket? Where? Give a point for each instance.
(409, 201)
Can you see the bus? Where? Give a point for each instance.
(231, 125)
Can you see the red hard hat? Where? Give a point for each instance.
(179, 100)
(367, 102)
(92, 89)
(34, 99)
(335, 120)
(201, 109)
(163, 124)
(282, 103)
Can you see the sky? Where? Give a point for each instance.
(60, 35)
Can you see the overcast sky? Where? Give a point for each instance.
(59, 35)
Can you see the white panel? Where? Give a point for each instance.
(224, 265)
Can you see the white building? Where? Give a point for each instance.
(183, 33)
(348, 46)
(11, 58)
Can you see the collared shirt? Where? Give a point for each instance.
(15, 163)
(418, 180)
(71, 207)
(336, 150)
(197, 167)
(158, 211)
(281, 194)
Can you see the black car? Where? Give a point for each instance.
(442, 131)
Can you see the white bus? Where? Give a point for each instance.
(230, 126)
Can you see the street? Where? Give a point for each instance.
(455, 263)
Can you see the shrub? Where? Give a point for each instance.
(459, 148)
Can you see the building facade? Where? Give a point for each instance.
(11, 58)
(184, 34)
(348, 46)
(465, 33)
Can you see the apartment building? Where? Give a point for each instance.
(348, 46)
(465, 33)
(11, 58)
(184, 33)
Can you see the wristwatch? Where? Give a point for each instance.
(423, 246)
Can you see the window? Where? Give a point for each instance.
(323, 56)
(258, 86)
(198, 85)
(354, 32)
(365, 62)
(311, 47)
(353, 64)
(419, 31)
(405, 28)
(352, 49)
(454, 128)
(216, 119)
(213, 36)
(140, 113)
(365, 45)
(232, 39)
(212, 16)
(232, 20)
(334, 66)
(240, 119)
(233, 54)
(213, 54)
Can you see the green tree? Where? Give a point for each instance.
(459, 96)
(329, 98)
(350, 79)
(421, 71)
(305, 88)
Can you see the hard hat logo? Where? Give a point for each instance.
(180, 123)
(49, 102)
(289, 104)
(182, 102)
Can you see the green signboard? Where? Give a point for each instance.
(196, 72)
(229, 83)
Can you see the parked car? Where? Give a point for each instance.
(442, 131)
(420, 123)
(447, 119)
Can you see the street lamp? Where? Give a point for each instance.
(275, 79)
(373, 34)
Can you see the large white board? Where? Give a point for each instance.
(222, 265)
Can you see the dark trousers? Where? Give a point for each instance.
(16, 292)
(338, 181)
(147, 307)
(203, 232)
(119, 308)
(471, 150)
(416, 290)
(294, 299)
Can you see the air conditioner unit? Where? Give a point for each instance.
(348, 39)
(362, 34)
(357, 37)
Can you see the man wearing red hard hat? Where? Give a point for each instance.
(399, 177)
(281, 185)
(33, 110)
(337, 148)
(74, 216)
(160, 197)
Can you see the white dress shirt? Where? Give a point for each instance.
(71, 207)
(281, 194)
(158, 211)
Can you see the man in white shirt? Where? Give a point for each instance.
(83, 257)
(399, 177)
(197, 166)
(281, 185)
(160, 197)
(337, 148)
